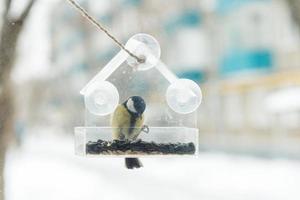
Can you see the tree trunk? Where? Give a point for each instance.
(294, 6)
(2, 163)
(8, 41)
(10, 32)
(2, 157)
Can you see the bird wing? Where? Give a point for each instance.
(120, 122)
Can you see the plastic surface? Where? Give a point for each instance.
(101, 98)
(165, 135)
(184, 96)
(146, 47)
(107, 70)
(171, 103)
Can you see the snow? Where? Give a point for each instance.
(45, 167)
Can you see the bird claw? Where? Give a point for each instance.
(145, 129)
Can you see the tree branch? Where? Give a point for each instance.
(6, 9)
(294, 6)
(26, 11)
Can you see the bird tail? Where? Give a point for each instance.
(132, 163)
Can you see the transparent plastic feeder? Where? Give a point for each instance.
(171, 105)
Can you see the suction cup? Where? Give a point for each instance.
(101, 98)
(184, 96)
(147, 48)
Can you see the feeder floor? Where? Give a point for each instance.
(126, 147)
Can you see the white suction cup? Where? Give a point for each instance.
(147, 48)
(184, 96)
(101, 98)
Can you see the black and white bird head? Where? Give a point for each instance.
(136, 104)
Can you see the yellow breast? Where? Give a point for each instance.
(120, 123)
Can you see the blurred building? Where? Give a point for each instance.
(257, 54)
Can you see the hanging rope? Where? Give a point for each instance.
(99, 26)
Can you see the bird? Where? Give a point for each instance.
(128, 122)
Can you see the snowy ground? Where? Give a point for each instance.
(45, 168)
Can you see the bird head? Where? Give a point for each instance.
(136, 104)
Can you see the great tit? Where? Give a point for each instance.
(128, 122)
